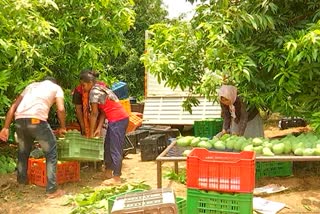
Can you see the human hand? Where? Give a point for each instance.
(4, 134)
(219, 135)
(62, 131)
(97, 133)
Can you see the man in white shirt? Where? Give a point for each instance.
(30, 111)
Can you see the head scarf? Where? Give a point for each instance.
(229, 92)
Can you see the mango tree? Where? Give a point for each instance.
(58, 38)
(127, 66)
(267, 48)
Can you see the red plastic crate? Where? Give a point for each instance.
(221, 171)
(67, 171)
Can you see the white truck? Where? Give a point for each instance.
(163, 106)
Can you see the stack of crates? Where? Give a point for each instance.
(208, 127)
(220, 182)
(67, 171)
(126, 105)
(152, 146)
(273, 169)
(77, 147)
(170, 133)
(157, 201)
(121, 90)
(135, 137)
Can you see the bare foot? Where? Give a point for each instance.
(56, 194)
(102, 175)
(115, 180)
(109, 173)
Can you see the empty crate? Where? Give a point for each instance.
(67, 171)
(134, 123)
(201, 202)
(135, 138)
(120, 89)
(152, 146)
(158, 201)
(208, 127)
(170, 133)
(126, 105)
(273, 169)
(221, 171)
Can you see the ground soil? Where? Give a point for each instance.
(302, 196)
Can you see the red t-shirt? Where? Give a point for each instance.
(108, 103)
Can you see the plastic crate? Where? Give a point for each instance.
(199, 201)
(134, 123)
(76, 147)
(170, 133)
(221, 171)
(141, 134)
(182, 205)
(152, 146)
(113, 198)
(128, 146)
(208, 127)
(126, 105)
(135, 138)
(157, 201)
(120, 89)
(67, 171)
(273, 169)
(137, 107)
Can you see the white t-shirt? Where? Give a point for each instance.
(37, 100)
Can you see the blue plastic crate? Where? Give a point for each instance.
(120, 89)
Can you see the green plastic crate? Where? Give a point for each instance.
(208, 127)
(76, 147)
(273, 169)
(113, 198)
(182, 205)
(200, 201)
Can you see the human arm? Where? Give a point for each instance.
(226, 115)
(77, 101)
(243, 120)
(79, 114)
(4, 134)
(101, 120)
(61, 113)
(93, 118)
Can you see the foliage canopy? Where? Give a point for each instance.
(267, 48)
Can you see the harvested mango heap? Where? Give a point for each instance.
(303, 145)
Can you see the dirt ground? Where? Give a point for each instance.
(302, 196)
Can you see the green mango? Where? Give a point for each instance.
(278, 148)
(266, 151)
